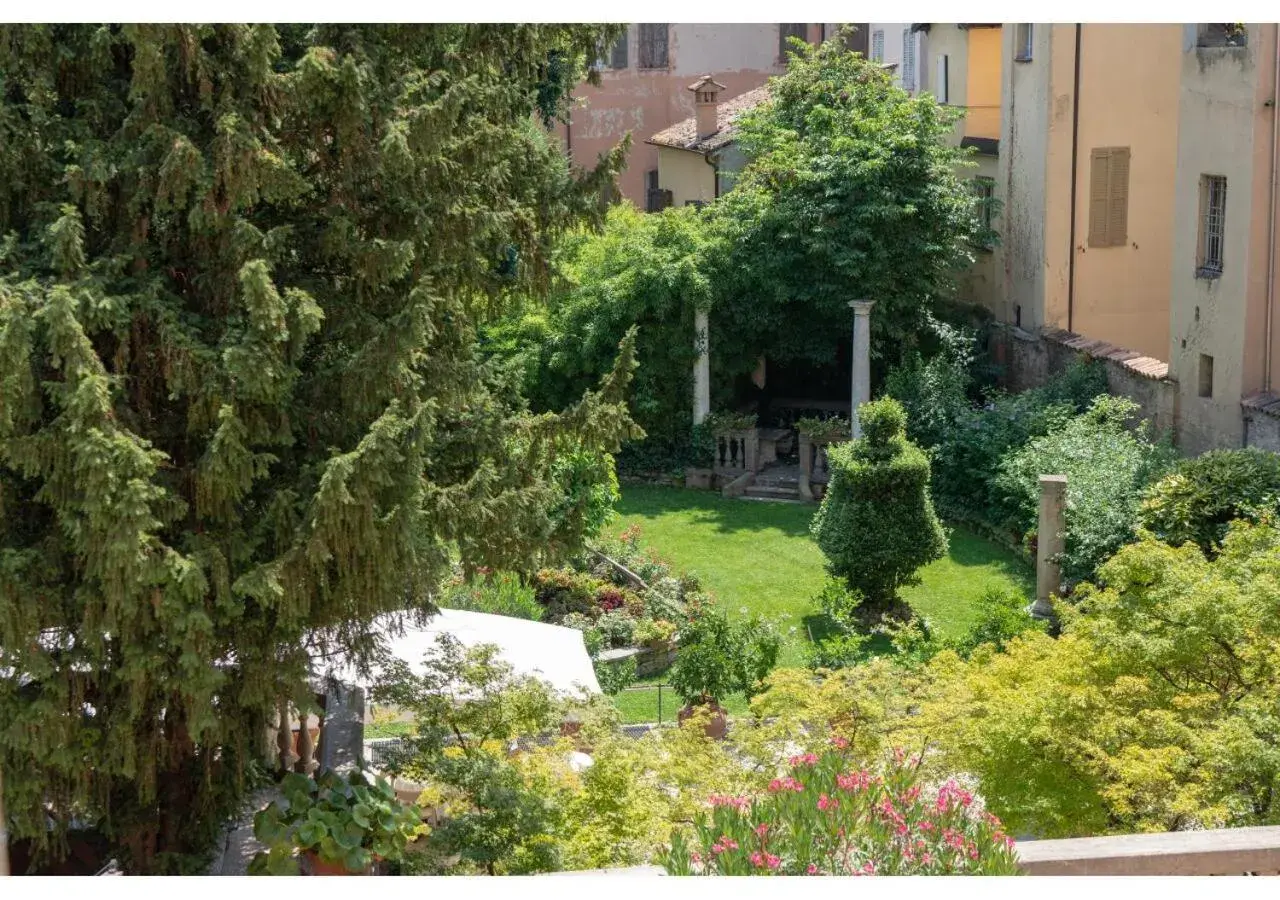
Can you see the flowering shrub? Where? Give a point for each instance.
(828, 816)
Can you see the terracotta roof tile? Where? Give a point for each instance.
(684, 135)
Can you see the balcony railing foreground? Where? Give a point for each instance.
(1224, 851)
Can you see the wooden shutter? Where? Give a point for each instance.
(1118, 199)
(653, 46)
(618, 59)
(1109, 197)
(785, 32)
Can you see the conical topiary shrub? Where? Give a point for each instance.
(876, 524)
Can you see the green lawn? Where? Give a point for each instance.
(759, 557)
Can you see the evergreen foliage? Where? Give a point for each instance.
(241, 407)
(876, 523)
(1202, 496)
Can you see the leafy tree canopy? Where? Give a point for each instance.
(242, 410)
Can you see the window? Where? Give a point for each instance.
(877, 46)
(1022, 43)
(618, 58)
(1213, 221)
(651, 180)
(908, 60)
(940, 91)
(1206, 375)
(653, 46)
(1109, 197)
(1231, 34)
(785, 33)
(984, 191)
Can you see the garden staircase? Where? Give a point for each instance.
(779, 481)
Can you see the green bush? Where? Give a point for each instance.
(1107, 465)
(500, 594)
(616, 628)
(719, 657)
(1002, 616)
(966, 443)
(1201, 496)
(876, 524)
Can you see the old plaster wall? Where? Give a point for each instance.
(642, 102)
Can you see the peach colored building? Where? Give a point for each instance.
(644, 84)
(1138, 172)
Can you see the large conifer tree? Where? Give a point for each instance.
(241, 408)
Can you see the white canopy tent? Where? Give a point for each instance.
(553, 653)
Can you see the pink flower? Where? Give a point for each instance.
(812, 870)
(696, 857)
(735, 802)
(757, 860)
(808, 759)
(854, 781)
(775, 786)
(762, 829)
(839, 742)
(926, 859)
(772, 861)
(827, 803)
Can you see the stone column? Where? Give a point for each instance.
(861, 360)
(1050, 542)
(701, 368)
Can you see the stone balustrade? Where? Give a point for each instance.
(1224, 851)
(736, 451)
(317, 742)
(814, 468)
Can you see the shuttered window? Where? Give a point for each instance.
(941, 88)
(1109, 197)
(785, 33)
(1022, 43)
(653, 46)
(877, 46)
(618, 58)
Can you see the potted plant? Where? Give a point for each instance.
(719, 658)
(337, 826)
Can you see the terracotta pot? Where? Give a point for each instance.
(718, 724)
(316, 866)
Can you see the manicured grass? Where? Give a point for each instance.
(759, 557)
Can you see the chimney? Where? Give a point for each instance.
(706, 90)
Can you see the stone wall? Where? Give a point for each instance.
(649, 661)
(1262, 422)
(1031, 360)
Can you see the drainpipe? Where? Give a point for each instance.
(1075, 143)
(1271, 218)
(709, 159)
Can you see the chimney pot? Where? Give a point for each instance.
(706, 91)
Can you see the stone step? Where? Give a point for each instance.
(772, 492)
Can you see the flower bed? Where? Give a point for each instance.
(619, 596)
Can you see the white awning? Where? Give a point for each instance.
(553, 653)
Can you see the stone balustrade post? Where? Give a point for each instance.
(861, 387)
(284, 738)
(1050, 542)
(806, 466)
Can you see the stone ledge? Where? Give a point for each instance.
(1226, 851)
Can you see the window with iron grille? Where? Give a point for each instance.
(1213, 225)
(908, 60)
(653, 46)
(1022, 43)
(877, 46)
(785, 33)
